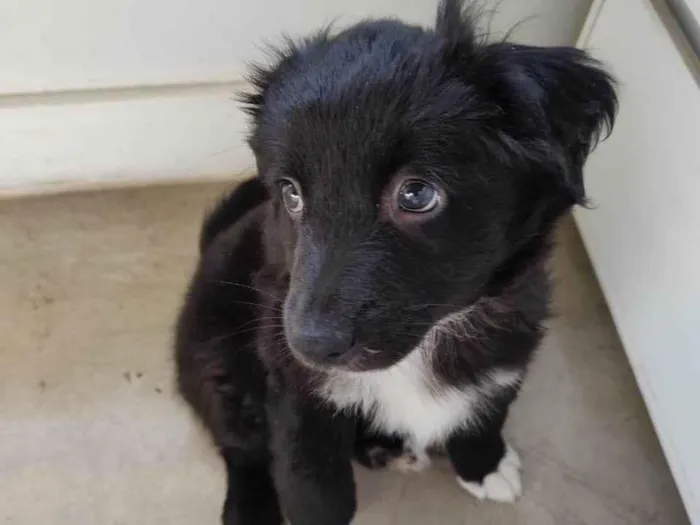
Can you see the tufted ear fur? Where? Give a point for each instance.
(550, 103)
(568, 95)
(283, 58)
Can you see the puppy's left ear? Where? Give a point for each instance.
(560, 95)
(551, 104)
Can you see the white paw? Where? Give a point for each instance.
(502, 485)
(411, 460)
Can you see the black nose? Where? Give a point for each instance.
(320, 341)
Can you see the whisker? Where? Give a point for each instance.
(230, 283)
(222, 337)
(259, 305)
(429, 305)
(258, 319)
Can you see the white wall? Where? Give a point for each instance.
(643, 235)
(133, 90)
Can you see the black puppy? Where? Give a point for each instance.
(380, 288)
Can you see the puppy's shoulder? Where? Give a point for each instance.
(232, 208)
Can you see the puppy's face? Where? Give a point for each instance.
(415, 170)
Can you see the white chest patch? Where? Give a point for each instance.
(408, 400)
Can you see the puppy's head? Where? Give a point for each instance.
(415, 170)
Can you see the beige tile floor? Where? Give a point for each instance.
(92, 433)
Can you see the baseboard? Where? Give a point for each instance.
(100, 142)
(60, 188)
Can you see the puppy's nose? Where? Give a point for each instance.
(325, 343)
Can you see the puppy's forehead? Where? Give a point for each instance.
(351, 96)
(369, 52)
(352, 142)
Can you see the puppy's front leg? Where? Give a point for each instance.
(312, 450)
(486, 466)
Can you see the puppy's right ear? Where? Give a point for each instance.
(262, 76)
(284, 58)
(262, 101)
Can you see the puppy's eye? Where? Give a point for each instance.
(417, 196)
(291, 196)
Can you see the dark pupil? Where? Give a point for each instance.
(416, 196)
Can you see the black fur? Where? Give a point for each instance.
(502, 129)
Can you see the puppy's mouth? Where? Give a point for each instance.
(358, 358)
